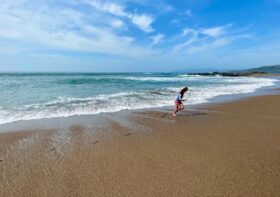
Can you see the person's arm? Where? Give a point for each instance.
(180, 98)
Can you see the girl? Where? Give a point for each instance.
(178, 102)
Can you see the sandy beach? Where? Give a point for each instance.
(90, 90)
(230, 149)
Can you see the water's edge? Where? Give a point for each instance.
(86, 120)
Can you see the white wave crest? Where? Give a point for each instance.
(70, 106)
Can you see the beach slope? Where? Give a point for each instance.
(230, 149)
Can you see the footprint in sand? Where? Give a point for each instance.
(164, 115)
(127, 134)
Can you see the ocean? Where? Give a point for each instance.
(26, 96)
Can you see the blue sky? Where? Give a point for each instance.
(138, 35)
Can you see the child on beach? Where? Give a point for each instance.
(179, 100)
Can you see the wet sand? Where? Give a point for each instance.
(230, 149)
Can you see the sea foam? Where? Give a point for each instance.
(67, 100)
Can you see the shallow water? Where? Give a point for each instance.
(26, 96)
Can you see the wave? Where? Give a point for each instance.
(112, 78)
(63, 106)
(79, 80)
(163, 79)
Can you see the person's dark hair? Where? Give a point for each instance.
(182, 92)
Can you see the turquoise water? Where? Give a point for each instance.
(26, 96)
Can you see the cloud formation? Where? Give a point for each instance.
(142, 21)
(40, 25)
(125, 28)
(195, 40)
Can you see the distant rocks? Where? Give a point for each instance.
(273, 70)
(230, 74)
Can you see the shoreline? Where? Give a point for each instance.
(229, 149)
(66, 122)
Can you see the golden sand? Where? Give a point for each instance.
(231, 149)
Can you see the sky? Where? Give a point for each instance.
(138, 35)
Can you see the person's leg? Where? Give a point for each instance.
(175, 111)
(182, 107)
(177, 108)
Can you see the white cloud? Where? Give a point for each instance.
(182, 17)
(163, 7)
(213, 32)
(182, 46)
(187, 31)
(116, 23)
(143, 21)
(32, 24)
(114, 9)
(109, 7)
(196, 40)
(208, 45)
(29, 26)
(157, 38)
